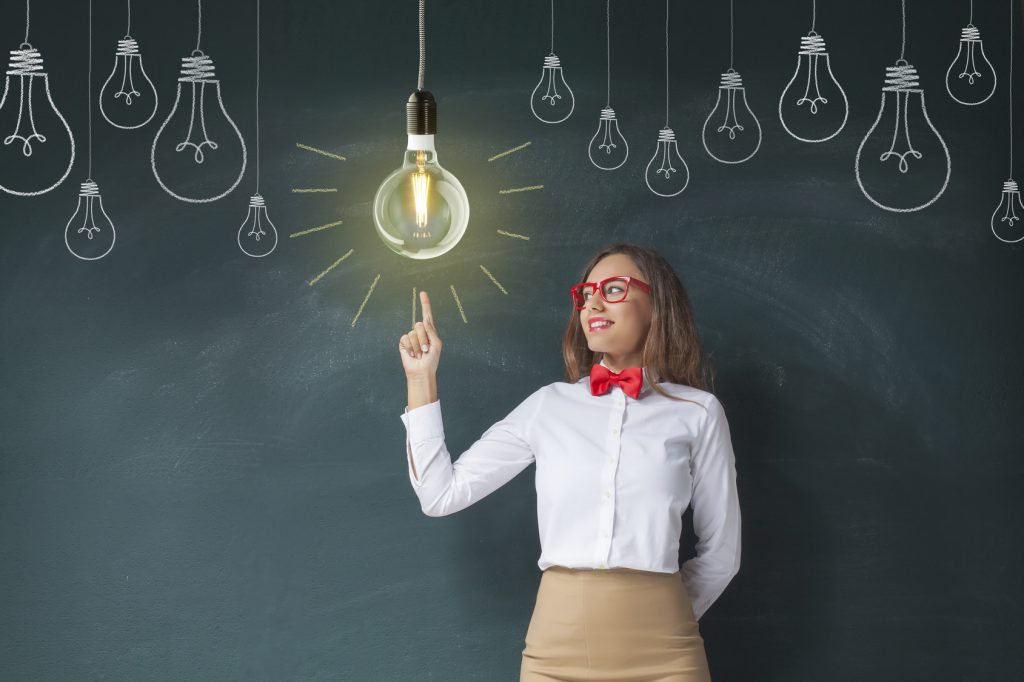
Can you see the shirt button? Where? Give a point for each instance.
(615, 429)
(607, 493)
(601, 565)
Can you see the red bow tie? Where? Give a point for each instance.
(630, 380)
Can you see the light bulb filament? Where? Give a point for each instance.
(420, 190)
(26, 147)
(1011, 215)
(128, 80)
(206, 141)
(730, 110)
(902, 104)
(552, 89)
(666, 167)
(608, 142)
(812, 73)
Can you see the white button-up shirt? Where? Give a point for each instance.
(614, 477)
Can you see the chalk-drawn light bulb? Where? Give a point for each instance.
(421, 210)
(608, 148)
(732, 133)
(813, 106)
(38, 146)
(667, 173)
(552, 100)
(257, 236)
(198, 135)
(902, 163)
(1008, 218)
(128, 98)
(971, 78)
(89, 234)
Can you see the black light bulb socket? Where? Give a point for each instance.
(421, 113)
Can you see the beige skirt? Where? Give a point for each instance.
(618, 624)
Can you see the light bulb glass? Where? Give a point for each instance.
(1008, 218)
(90, 235)
(902, 163)
(667, 173)
(128, 98)
(198, 135)
(38, 147)
(971, 78)
(552, 100)
(421, 210)
(813, 106)
(731, 133)
(608, 148)
(257, 236)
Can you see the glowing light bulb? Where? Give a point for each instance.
(552, 100)
(128, 98)
(667, 173)
(970, 79)
(421, 210)
(883, 161)
(257, 236)
(731, 134)
(40, 148)
(813, 106)
(1007, 219)
(199, 133)
(89, 234)
(608, 148)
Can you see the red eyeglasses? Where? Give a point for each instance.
(613, 290)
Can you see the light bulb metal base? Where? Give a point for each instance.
(127, 47)
(26, 61)
(812, 43)
(731, 79)
(901, 76)
(196, 68)
(969, 32)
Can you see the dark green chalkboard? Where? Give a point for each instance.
(202, 472)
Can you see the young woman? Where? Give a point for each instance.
(622, 447)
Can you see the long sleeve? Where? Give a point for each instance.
(501, 452)
(716, 512)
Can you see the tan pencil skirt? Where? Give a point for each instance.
(618, 624)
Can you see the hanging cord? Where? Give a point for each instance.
(1011, 88)
(128, 32)
(90, 90)
(423, 49)
(26, 21)
(814, 14)
(731, 33)
(552, 26)
(257, 96)
(971, 22)
(608, 31)
(903, 44)
(666, 64)
(199, 32)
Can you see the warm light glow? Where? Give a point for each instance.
(420, 188)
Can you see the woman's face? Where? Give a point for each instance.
(630, 318)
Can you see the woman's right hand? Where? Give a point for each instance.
(421, 347)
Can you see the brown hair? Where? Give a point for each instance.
(672, 350)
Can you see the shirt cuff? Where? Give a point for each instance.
(424, 422)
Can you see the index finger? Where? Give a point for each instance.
(428, 316)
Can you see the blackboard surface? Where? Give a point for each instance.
(202, 473)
